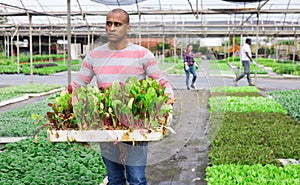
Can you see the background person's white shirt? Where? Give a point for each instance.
(246, 48)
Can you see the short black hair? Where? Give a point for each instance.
(120, 10)
(248, 40)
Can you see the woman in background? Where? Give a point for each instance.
(189, 62)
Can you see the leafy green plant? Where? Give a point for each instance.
(134, 104)
(234, 89)
(253, 137)
(46, 70)
(19, 122)
(253, 174)
(30, 163)
(289, 99)
(62, 116)
(240, 91)
(244, 104)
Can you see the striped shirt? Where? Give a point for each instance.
(109, 65)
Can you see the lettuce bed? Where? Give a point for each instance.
(252, 138)
(18, 122)
(30, 163)
(248, 135)
(253, 174)
(244, 104)
(235, 91)
(289, 100)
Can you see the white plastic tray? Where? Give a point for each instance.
(103, 135)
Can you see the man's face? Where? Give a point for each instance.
(116, 27)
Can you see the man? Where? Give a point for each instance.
(246, 58)
(120, 59)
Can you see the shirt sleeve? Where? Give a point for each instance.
(153, 71)
(85, 74)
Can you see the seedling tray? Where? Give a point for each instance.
(103, 135)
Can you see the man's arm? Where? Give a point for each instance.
(248, 55)
(85, 74)
(153, 71)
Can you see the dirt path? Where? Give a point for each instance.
(181, 159)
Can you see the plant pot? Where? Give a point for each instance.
(103, 135)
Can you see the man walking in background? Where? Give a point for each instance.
(246, 58)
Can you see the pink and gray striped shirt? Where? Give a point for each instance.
(109, 65)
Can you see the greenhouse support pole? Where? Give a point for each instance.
(92, 42)
(40, 44)
(18, 49)
(241, 46)
(64, 47)
(256, 47)
(233, 43)
(228, 47)
(5, 46)
(163, 45)
(49, 45)
(30, 47)
(8, 46)
(148, 40)
(69, 41)
(295, 48)
(89, 39)
(8, 43)
(175, 46)
(140, 35)
(12, 48)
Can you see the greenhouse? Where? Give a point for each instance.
(204, 92)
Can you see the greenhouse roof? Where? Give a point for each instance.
(193, 17)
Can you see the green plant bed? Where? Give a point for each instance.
(9, 96)
(235, 91)
(292, 69)
(238, 94)
(244, 104)
(266, 62)
(252, 138)
(254, 69)
(289, 100)
(25, 68)
(18, 122)
(253, 174)
(9, 69)
(30, 163)
(19, 90)
(45, 70)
